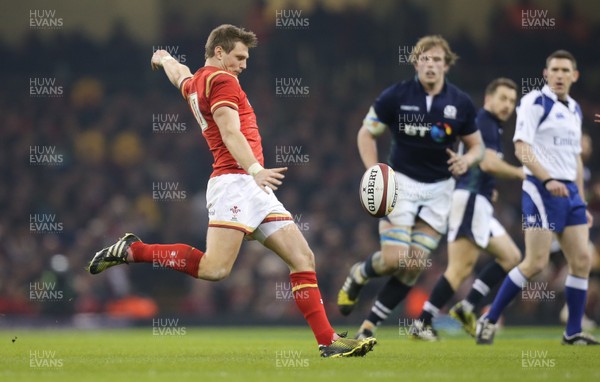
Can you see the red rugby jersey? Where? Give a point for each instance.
(209, 89)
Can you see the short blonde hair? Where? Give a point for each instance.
(427, 42)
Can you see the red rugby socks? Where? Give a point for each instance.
(180, 257)
(308, 298)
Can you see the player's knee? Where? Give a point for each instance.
(513, 259)
(302, 261)
(581, 264)
(532, 267)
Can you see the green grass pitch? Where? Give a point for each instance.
(285, 354)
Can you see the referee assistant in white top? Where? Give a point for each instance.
(548, 143)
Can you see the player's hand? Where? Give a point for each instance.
(590, 218)
(557, 188)
(458, 163)
(597, 118)
(157, 57)
(270, 178)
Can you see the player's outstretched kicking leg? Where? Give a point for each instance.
(186, 259)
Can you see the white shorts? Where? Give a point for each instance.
(472, 216)
(428, 201)
(235, 201)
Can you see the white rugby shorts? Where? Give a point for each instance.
(235, 201)
(428, 201)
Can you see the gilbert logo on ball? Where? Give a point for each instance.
(378, 190)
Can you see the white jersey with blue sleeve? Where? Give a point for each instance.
(553, 129)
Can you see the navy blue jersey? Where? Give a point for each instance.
(420, 137)
(475, 180)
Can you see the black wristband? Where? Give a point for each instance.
(546, 181)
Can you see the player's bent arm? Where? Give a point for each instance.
(525, 154)
(228, 121)
(492, 164)
(475, 148)
(367, 147)
(371, 128)
(175, 71)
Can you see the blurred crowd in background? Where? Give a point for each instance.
(110, 156)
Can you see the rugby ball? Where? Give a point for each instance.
(378, 190)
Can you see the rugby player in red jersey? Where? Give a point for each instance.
(240, 198)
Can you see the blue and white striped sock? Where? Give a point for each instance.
(511, 286)
(575, 294)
